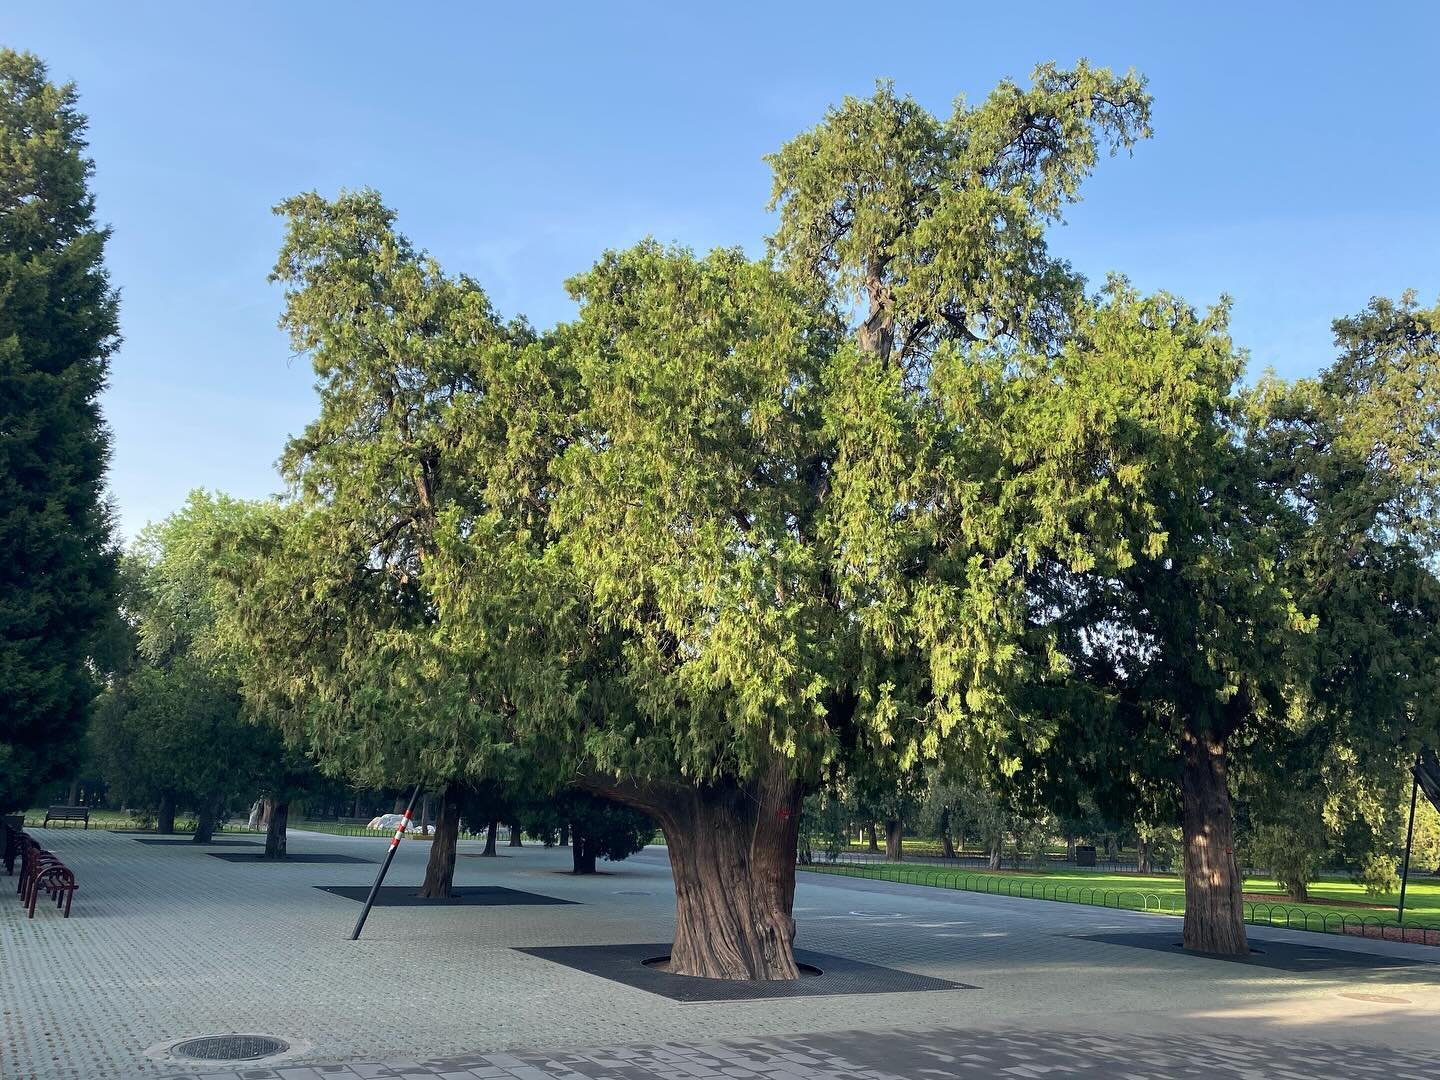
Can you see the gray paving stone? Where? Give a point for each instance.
(168, 943)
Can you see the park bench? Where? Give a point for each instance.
(67, 813)
(42, 871)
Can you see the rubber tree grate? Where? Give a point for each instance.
(465, 896)
(625, 964)
(1272, 955)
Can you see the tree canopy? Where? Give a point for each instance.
(57, 331)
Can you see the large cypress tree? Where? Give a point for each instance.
(57, 331)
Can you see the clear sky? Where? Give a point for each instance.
(1294, 165)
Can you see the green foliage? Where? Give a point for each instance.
(1294, 853)
(940, 224)
(173, 720)
(57, 331)
(346, 601)
(606, 830)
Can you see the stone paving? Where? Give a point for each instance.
(168, 943)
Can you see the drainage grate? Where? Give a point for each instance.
(229, 1047)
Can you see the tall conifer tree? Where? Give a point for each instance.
(57, 331)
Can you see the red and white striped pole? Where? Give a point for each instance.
(385, 866)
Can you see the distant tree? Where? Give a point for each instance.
(334, 598)
(57, 331)
(173, 724)
(598, 828)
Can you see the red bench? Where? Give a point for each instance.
(42, 871)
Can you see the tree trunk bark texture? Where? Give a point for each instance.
(275, 829)
(1214, 915)
(490, 831)
(894, 837)
(732, 855)
(440, 870)
(582, 852)
(947, 846)
(874, 839)
(1142, 856)
(996, 854)
(165, 816)
(516, 840)
(205, 821)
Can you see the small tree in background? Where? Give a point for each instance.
(598, 828)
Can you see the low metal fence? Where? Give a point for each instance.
(1259, 913)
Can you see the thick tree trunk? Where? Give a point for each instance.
(732, 855)
(490, 831)
(74, 793)
(516, 840)
(947, 846)
(564, 835)
(267, 811)
(1070, 849)
(400, 803)
(355, 807)
(874, 839)
(440, 870)
(205, 821)
(894, 834)
(996, 854)
(1142, 856)
(165, 816)
(1299, 891)
(582, 852)
(275, 829)
(1214, 913)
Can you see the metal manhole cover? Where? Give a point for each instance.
(229, 1047)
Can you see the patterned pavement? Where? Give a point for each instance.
(167, 943)
(902, 1056)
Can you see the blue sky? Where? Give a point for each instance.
(1294, 164)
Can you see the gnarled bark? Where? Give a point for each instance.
(894, 840)
(275, 829)
(732, 856)
(1214, 913)
(440, 870)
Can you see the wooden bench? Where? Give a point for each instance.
(67, 813)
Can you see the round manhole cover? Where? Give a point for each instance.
(229, 1047)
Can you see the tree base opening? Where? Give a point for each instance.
(662, 963)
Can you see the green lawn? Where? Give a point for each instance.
(1162, 892)
(121, 819)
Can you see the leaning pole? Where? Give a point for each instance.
(384, 866)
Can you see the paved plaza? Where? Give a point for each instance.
(169, 942)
